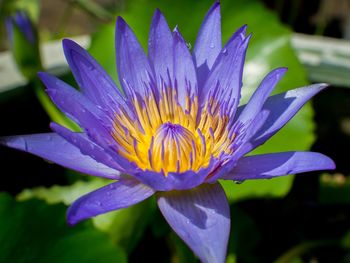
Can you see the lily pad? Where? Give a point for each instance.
(125, 226)
(32, 231)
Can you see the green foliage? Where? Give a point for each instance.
(125, 226)
(276, 187)
(33, 231)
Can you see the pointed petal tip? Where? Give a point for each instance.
(72, 220)
(317, 87)
(157, 14)
(4, 140)
(67, 41)
(249, 37)
(242, 31)
(326, 163)
(158, 17)
(323, 85)
(214, 7)
(121, 23)
(120, 27)
(41, 74)
(245, 40)
(69, 44)
(281, 70)
(46, 78)
(244, 28)
(278, 72)
(51, 82)
(17, 142)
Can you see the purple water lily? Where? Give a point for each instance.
(21, 20)
(174, 130)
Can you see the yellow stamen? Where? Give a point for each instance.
(165, 136)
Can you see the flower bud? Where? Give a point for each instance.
(24, 43)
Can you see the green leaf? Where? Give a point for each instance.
(62, 194)
(276, 187)
(125, 226)
(269, 48)
(33, 231)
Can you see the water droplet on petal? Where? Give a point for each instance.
(188, 44)
(224, 51)
(212, 45)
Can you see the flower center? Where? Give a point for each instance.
(172, 148)
(161, 135)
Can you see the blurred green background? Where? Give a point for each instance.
(303, 218)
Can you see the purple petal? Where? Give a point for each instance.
(271, 165)
(25, 25)
(184, 70)
(54, 148)
(208, 42)
(115, 196)
(97, 124)
(239, 146)
(201, 217)
(87, 147)
(282, 107)
(259, 97)
(160, 48)
(93, 80)
(227, 71)
(133, 68)
(174, 180)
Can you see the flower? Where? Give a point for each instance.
(174, 130)
(22, 21)
(23, 37)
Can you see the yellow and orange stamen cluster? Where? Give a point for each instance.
(165, 136)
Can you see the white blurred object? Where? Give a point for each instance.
(53, 60)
